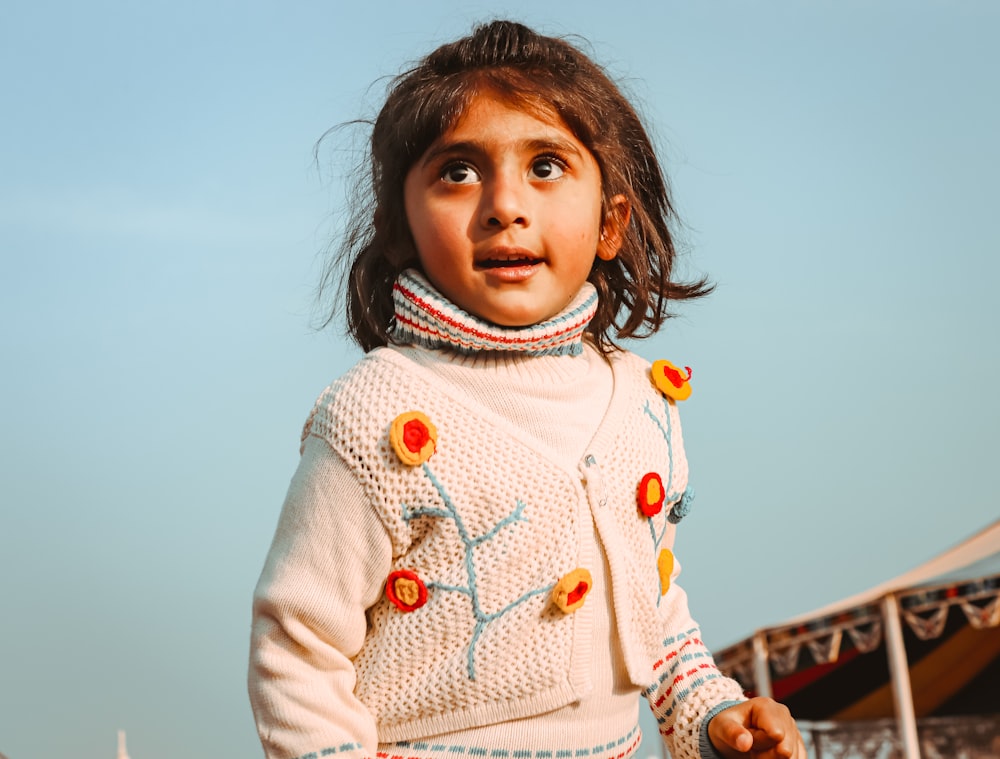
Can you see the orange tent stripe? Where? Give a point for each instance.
(935, 678)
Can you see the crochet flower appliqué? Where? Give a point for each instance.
(665, 566)
(671, 381)
(651, 494)
(413, 437)
(571, 591)
(406, 590)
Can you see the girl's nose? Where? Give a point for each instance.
(504, 204)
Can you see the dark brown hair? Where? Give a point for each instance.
(545, 75)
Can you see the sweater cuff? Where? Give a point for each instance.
(705, 747)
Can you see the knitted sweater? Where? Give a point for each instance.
(469, 561)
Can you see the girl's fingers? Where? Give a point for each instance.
(738, 737)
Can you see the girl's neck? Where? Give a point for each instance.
(425, 317)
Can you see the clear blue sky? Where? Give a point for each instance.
(161, 228)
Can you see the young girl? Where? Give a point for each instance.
(475, 555)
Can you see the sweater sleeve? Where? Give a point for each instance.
(327, 564)
(688, 689)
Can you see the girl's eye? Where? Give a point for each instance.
(459, 173)
(547, 168)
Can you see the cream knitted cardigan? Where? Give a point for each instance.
(487, 526)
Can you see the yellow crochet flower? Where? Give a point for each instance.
(665, 564)
(413, 437)
(672, 381)
(571, 591)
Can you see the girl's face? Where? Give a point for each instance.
(505, 212)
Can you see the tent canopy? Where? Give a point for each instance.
(978, 556)
(832, 663)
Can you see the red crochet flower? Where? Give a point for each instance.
(651, 494)
(671, 381)
(413, 437)
(406, 590)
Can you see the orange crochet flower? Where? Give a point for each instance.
(671, 381)
(413, 437)
(665, 565)
(570, 592)
(406, 590)
(651, 494)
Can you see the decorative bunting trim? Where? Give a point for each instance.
(924, 610)
(786, 660)
(929, 627)
(981, 617)
(826, 650)
(866, 641)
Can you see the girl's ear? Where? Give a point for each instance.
(614, 227)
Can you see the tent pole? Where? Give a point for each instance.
(899, 671)
(761, 671)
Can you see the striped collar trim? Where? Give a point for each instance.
(425, 317)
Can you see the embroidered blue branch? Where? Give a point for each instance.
(681, 501)
(409, 514)
(516, 516)
(450, 511)
(667, 432)
(483, 619)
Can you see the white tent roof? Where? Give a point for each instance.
(978, 556)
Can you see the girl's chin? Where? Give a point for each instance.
(512, 319)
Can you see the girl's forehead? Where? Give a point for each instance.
(519, 110)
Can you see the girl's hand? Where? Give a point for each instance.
(759, 728)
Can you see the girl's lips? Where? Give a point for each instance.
(508, 263)
(511, 271)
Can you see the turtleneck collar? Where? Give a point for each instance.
(425, 317)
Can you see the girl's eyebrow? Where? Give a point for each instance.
(477, 148)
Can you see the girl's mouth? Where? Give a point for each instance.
(508, 263)
(508, 257)
(510, 266)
